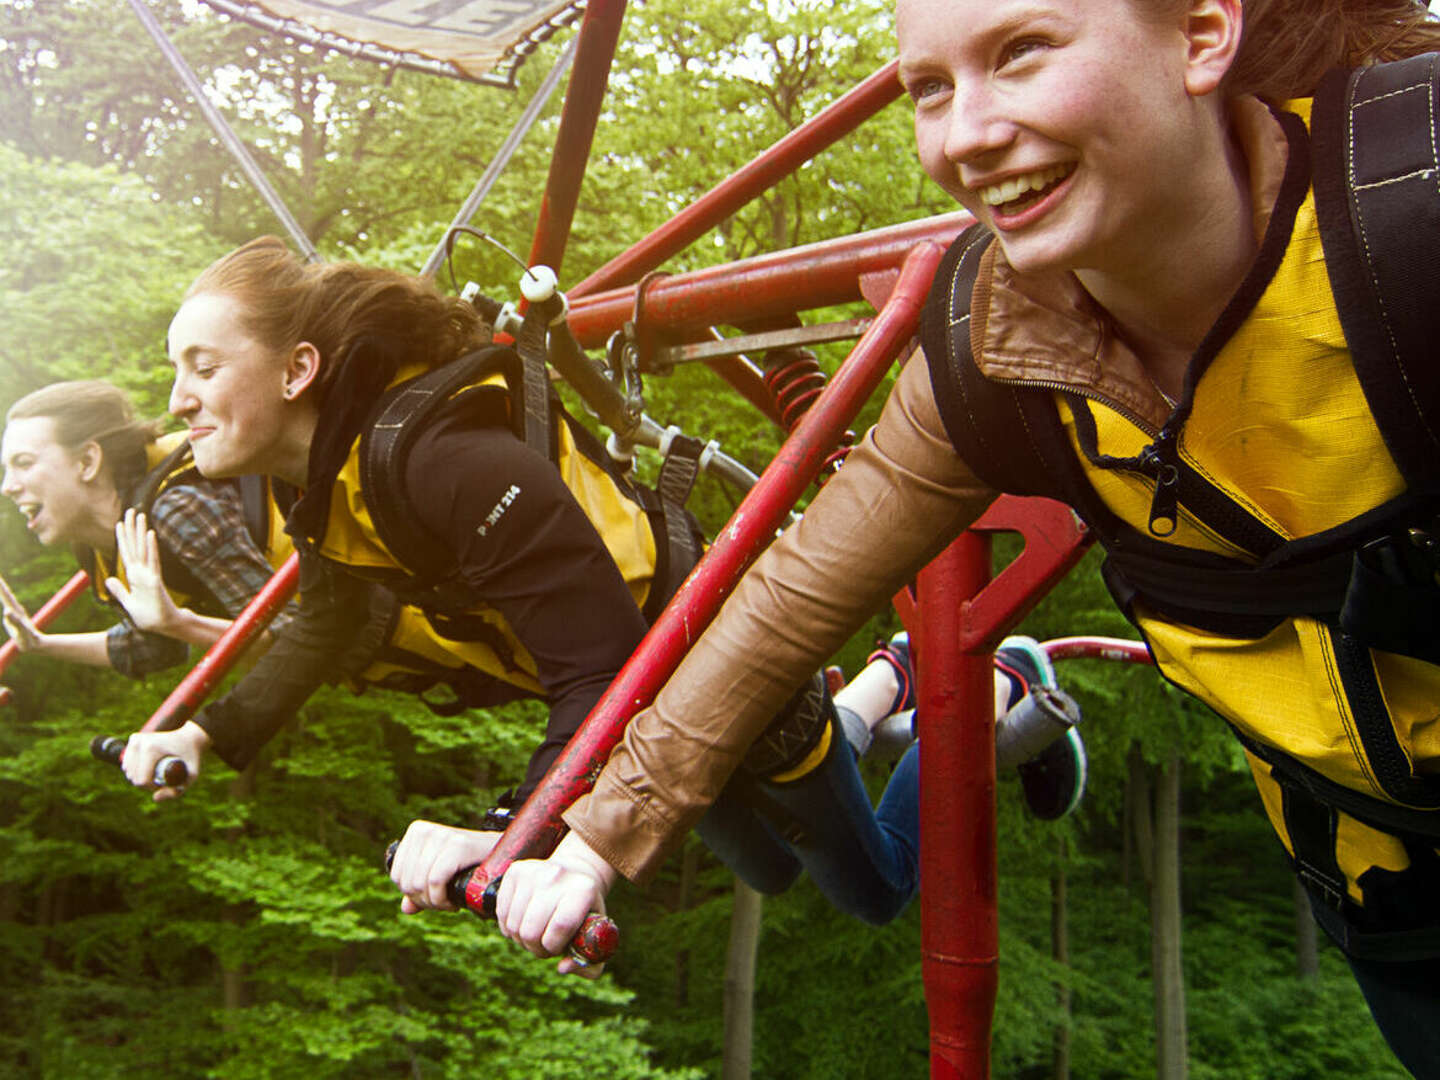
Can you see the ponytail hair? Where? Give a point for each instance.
(89, 410)
(1287, 45)
(353, 315)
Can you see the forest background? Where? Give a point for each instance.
(247, 931)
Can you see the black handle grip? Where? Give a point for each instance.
(594, 943)
(170, 771)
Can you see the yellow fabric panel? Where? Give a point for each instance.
(352, 540)
(622, 523)
(1302, 462)
(1359, 847)
(1270, 798)
(414, 634)
(1408, 686)
(1277, 689)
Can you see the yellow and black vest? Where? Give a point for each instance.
(1276, 540)
(169, 463)
(370, 530)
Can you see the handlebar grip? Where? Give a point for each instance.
(170, 771)
(594, 943)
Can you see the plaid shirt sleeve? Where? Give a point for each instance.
(203, 525)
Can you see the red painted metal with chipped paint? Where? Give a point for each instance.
(49, 611)
(803, 278)
(185, 700)
(537, 825)
(959, 616)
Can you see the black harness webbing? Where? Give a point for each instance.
(397, 421)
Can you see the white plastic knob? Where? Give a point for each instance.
(538, 284)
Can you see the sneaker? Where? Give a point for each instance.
(794, 733)
(1054, 779)
(896, 652)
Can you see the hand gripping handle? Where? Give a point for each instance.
(169, 771)
(594, 943)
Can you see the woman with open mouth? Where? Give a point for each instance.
(170, 551)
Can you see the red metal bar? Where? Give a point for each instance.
(779, 161)
(1098, 648)
(594, 53)
(49, 611)
(958, 921)
(961, 615)
(783, 282)
(185, 700)
(536, 827)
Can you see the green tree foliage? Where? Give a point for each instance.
(247, 930)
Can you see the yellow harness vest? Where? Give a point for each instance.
(352, 540)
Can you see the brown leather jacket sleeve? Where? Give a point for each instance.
(900, 497)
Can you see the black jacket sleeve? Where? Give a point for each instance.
(307, 652)
(527, 548)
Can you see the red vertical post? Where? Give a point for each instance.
(959, 926)
(599, 34)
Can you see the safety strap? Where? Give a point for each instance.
(1377, 199)
(677, 478)
(530, 344)
(397, 420)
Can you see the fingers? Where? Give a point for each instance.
(16, 619)
(7, 598)
(541, 905)
(428, 858)
(144, 749)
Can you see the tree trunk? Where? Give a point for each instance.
(1168, 976)
(1307, 955)
(740, 982)
(1137, 787)
(1060, 948)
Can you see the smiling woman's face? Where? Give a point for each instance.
(229, 389)
(47, 481)
(1066, 126)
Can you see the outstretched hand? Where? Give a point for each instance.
(145, 748)
(145, 598)
(428, 858)
(18, 624)
(543, 902)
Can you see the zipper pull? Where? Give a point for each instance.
(1165, 503)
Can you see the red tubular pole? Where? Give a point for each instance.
(961, 615)
(49, 611)
(779, 161)
(816, 275)
(959, 926)
(185, 700)
(594, 53)
(537, 826)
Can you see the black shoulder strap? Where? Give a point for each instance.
(255, 504)
(1377, 197)
(398, 418)
(994, 427)
(170, 467)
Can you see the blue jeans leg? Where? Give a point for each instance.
(865, 861)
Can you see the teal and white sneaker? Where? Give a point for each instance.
(1053, 780)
